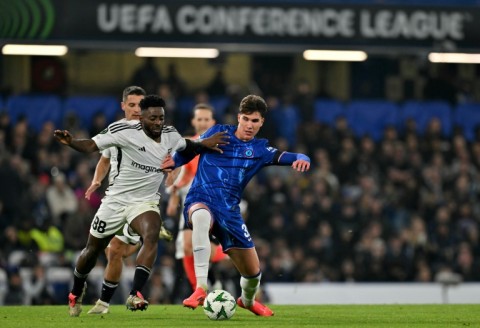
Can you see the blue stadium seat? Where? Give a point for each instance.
(371, 117)
(184, 113)
(185, 105)
(59, 281)
(220, 105)
(467, 116)
(37, 108)
(86, 108)
(287, 113)
(423, 112)
(327, 111)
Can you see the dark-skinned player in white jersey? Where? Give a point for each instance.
(133, 198)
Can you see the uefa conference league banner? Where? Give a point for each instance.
(237, 23)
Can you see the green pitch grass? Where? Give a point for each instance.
(285, 316)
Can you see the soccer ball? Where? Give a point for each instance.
(219, 305)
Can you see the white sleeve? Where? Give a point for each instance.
(181, 144)
(176, 141)
(107, 139)
(106, 153)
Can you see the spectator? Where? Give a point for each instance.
(218, 86)
(15, 294)
(61, 199)
(147, 76)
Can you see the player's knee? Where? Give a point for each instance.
(115, 254)
(115, 251)
(201, 219)
(150, 239)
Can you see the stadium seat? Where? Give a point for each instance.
(183, 113)
(467, 116)
(185, 105)
(16, 257)
(95, 279)
(86, 108)
(371, 117)
(38, 109)
(59, 279)
(126, 281)
(220, 105)
(286, 113)
(423, 112)
(327, 111)
(3, 286)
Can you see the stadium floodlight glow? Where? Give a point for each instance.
(334, 55)
(34, 50)
(177, 52)
(454, 57)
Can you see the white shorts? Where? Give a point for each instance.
(112, 216)
(128, 236)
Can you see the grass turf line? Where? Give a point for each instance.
(285, 316)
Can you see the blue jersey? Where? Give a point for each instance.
(221, 178)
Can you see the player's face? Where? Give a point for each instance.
(153, 119)
(131, 107)
(248, 125)
(202, 120)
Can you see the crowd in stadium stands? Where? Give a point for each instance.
(400, 209)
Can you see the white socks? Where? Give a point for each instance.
(201, 221)
(250, 287)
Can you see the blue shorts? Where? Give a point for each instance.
(228, 227)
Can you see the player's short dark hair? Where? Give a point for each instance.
(151, 101)
(251, 104)
(132, 90)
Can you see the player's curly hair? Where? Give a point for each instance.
(151, 101)
(251, 104)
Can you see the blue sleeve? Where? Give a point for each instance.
(275, 157)
(287, 158)
(210, 132)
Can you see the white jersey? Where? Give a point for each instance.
(112, 154)
(139, 160)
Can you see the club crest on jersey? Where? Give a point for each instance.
(248, 152)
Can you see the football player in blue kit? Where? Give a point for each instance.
(212, 204)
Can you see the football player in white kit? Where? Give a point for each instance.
(125, 244)
(133, 197)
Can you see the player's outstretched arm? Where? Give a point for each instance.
(101, 171)
(299, 162)
(193, 148)
(81, 145)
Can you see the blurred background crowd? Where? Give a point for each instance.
(401, 207)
